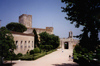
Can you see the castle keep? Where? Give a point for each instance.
(26, 20)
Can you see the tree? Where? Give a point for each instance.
(35, 39)
(6, 43)
(85, 13)
(16, 27)
(47, 39)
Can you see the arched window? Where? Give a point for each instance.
(25, 42)
(32, 43)
(21, 46)
(28, 41)
(16, 42)
(16, 46)
(25, 46)
(21, 42)
(28, 46)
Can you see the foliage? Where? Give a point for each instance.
(85, 13)
(31, 52)
(36, 50)
(47, 39)
(98, 53)
(19, 54)
(16, 27)
(35, 39)
(82, 55)
(7, 45)
(46, 47)
(35, 55)
(27, 57)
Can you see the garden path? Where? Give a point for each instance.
(57, 58)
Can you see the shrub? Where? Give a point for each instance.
(46, 47)
(36, 50)
(14, 57)
(31, 52)
(27, 57)
(19, 54)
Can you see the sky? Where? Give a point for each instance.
(45, 13)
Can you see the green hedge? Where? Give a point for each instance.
(35, 55)
(27, 57)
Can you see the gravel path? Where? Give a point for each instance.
(57, 58)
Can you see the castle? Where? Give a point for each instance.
(25, 41)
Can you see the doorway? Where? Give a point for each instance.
(66, 45)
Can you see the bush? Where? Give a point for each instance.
(36, 50)
(31, 52)
(19, 54)
(14, 57)
(27, 57)
(46, 47)
(82, 55)
(35, 55)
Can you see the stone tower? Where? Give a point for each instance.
(26, 20)
(70, 34)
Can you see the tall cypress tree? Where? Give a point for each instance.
(36, 44)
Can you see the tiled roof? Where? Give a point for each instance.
(19, 33)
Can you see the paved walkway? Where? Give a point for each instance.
(57, 58)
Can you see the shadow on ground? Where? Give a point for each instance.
(66, 64)
(8, 64)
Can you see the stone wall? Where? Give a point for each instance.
(24, 42)
(71, 42)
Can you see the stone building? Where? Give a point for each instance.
(27, 21)
(25, 41)
(68, 43)
(40, 30)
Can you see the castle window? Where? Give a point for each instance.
(28, 46)
(28, 41)
(25, 46)
(32, 43)
(25, 42)
(16, 46)
(21, 42)
(21, 46)
(16, 42)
